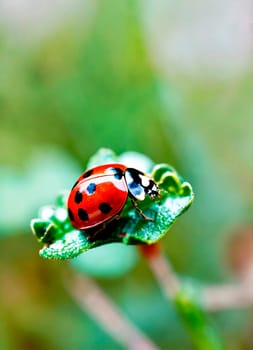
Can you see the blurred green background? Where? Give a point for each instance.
(170, 80)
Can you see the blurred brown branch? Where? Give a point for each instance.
(93, 300)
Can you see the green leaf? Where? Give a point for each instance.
(203, 332)
(67, 242)
(44, 231)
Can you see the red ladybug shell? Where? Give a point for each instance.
(98, 195)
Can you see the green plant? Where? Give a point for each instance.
(62, 241)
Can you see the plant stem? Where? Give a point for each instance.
(161, 269)
(93, 300)
(201, 330)
(227, 296)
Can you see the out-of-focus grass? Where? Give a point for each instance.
(84, 91)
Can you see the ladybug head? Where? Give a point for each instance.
(139, 185)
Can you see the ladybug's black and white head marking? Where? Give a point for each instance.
(139, 185)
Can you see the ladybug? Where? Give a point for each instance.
(100, 193)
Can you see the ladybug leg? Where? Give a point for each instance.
(153, 198)
(96, 231)
(140, 211)
(92, 232)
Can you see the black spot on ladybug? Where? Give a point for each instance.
(87, 173)
(91, 188)
(78, 197)
(71, 216)
(83, 215)
(105, 208)
(75, 184)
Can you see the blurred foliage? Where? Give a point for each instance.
(91, 83)
(95, 86)
(35, 184)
